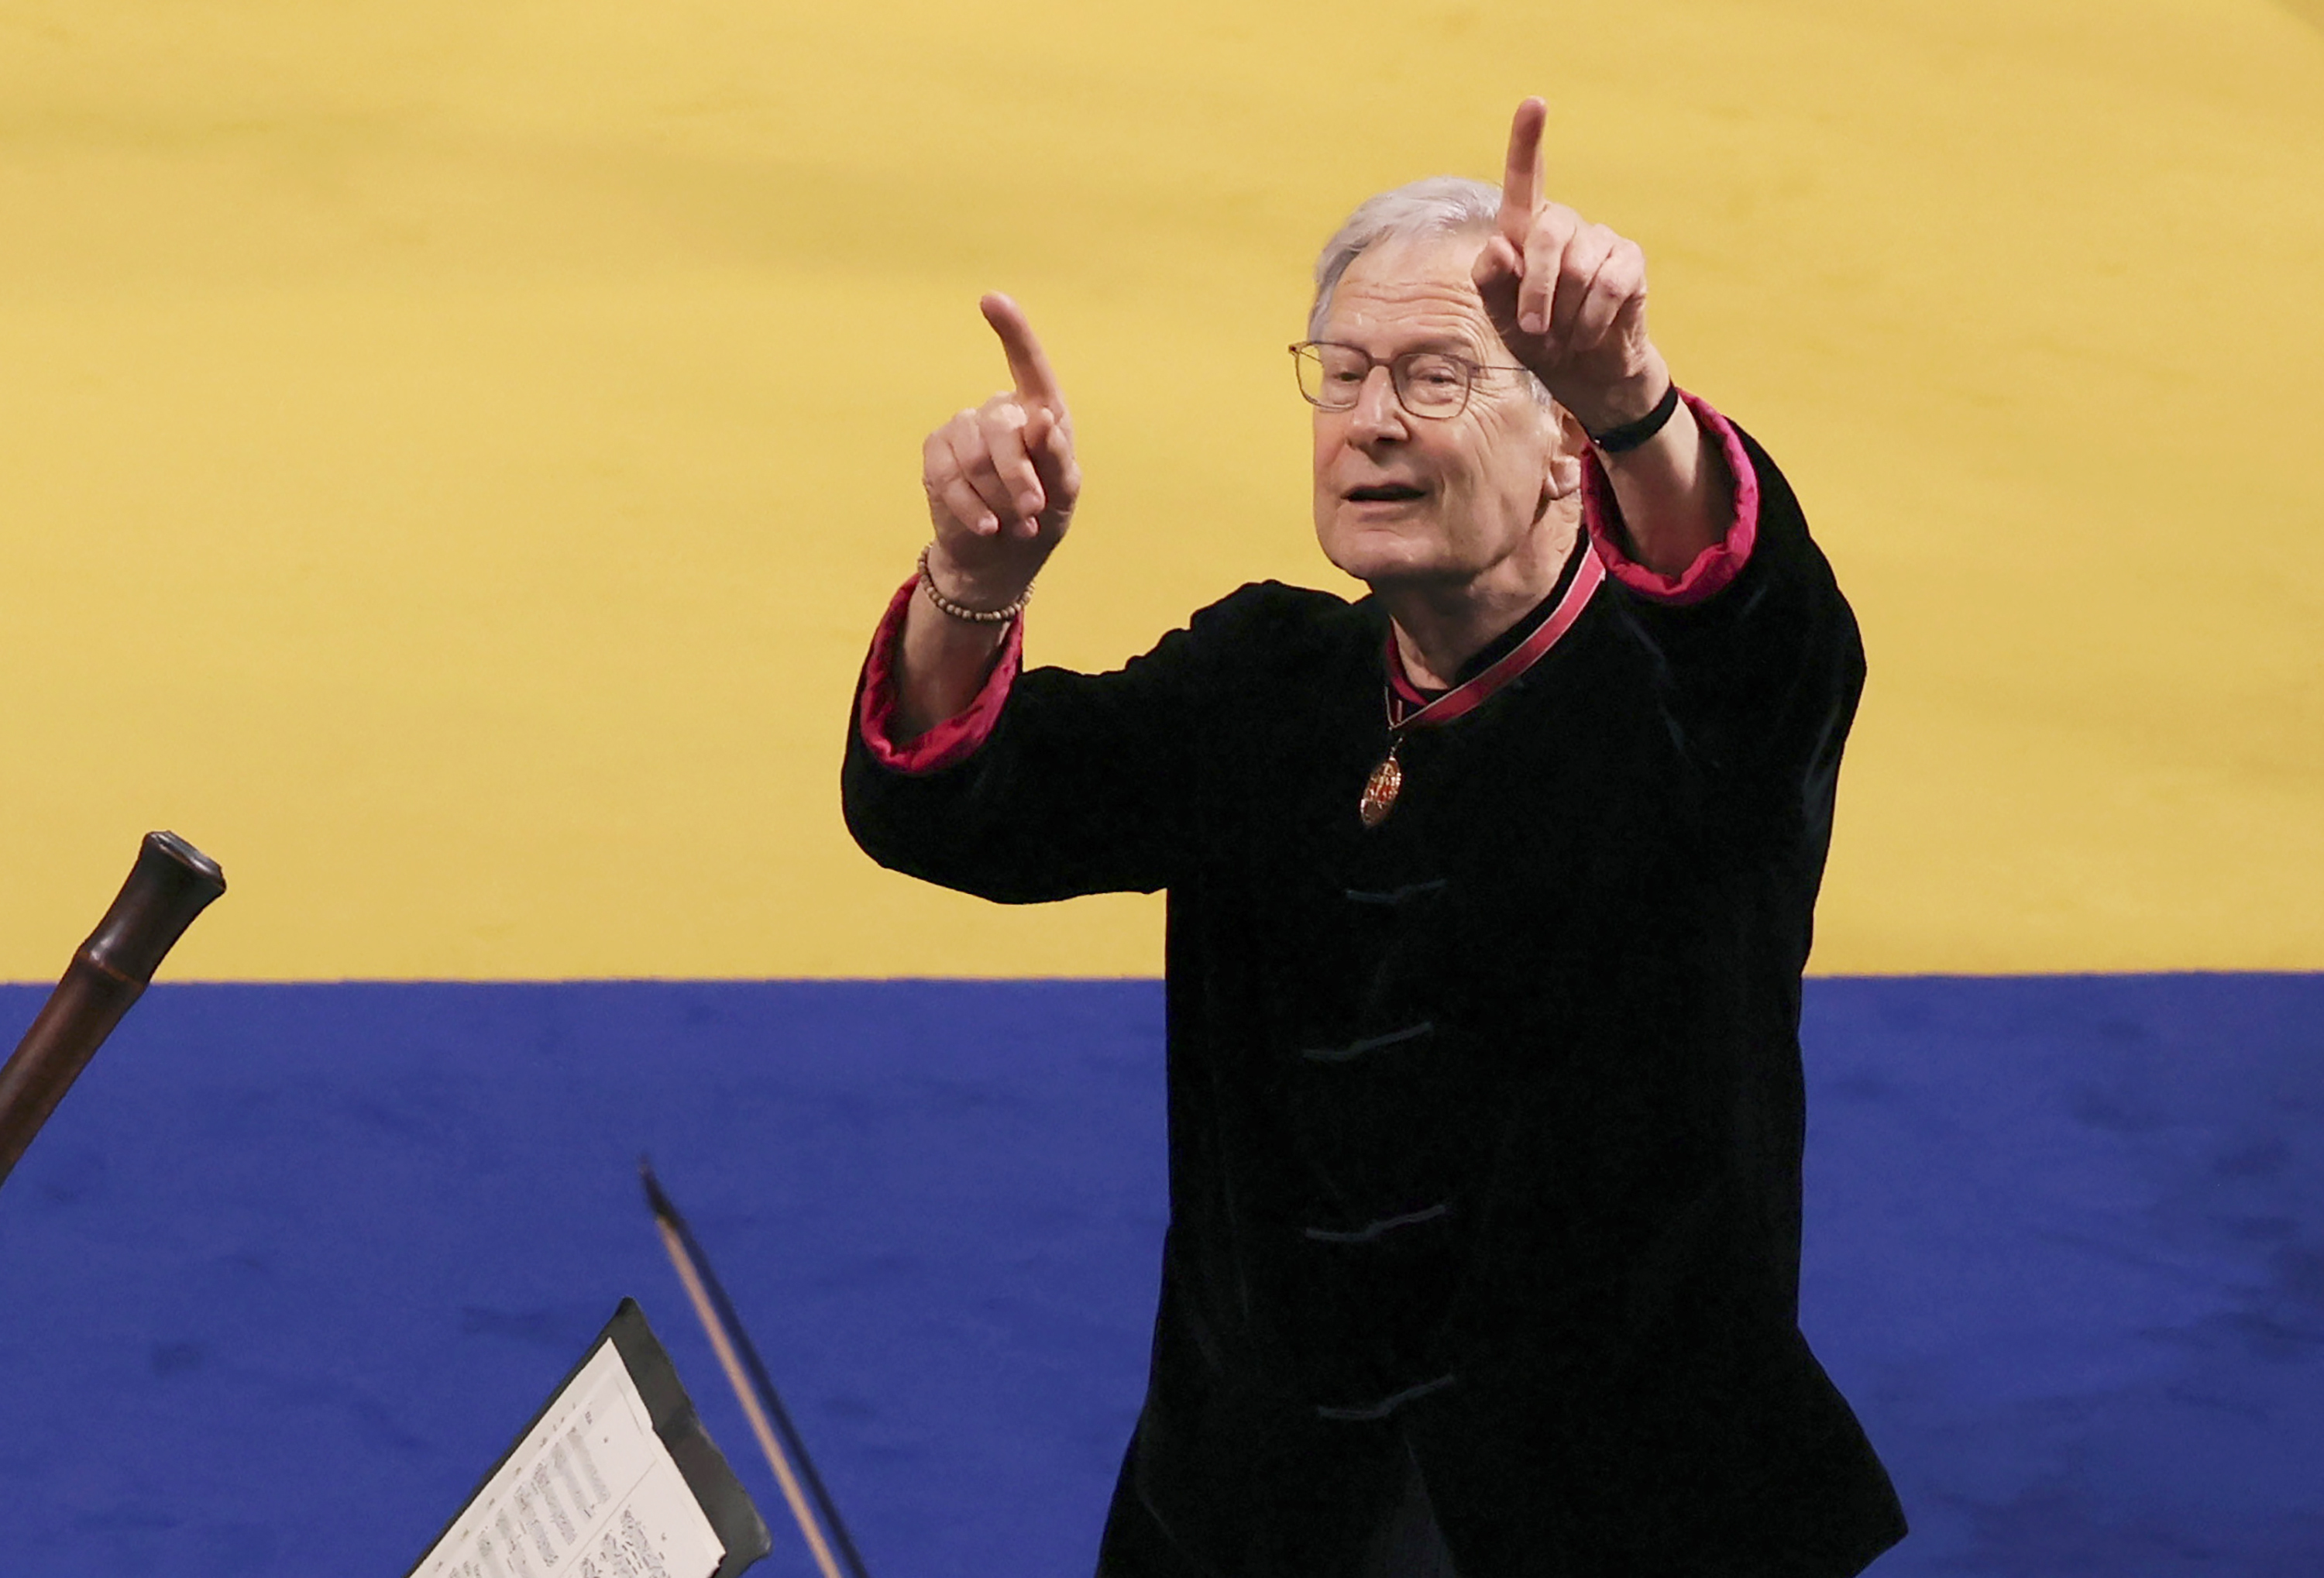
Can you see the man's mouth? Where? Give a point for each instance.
(1386, 492)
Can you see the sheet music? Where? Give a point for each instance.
(591, 1492)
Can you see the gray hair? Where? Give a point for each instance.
(1420, 210)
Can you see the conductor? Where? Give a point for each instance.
(1489, 900)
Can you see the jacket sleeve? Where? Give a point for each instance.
(1759, 658)
(1053, 784)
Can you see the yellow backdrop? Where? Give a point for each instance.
(451, 454)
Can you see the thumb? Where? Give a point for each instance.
(1049, 446)
(1497, 263)
(1500, 269)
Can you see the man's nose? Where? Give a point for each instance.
(1378, 414)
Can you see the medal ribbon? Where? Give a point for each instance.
(1387, 779)
(1465, 698)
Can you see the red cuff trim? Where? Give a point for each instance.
(956, 739)
(1716, 566)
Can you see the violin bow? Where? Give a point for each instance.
(171, 883)
(771, 1422)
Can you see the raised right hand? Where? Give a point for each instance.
(1002, 479)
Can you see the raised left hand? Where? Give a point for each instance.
(1568, 298)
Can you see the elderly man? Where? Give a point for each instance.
(1488, 898)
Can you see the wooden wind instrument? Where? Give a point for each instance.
(171, 882)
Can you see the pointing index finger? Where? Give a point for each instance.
(1521, 175)
(1037, 384)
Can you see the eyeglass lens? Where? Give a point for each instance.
(1427, 383)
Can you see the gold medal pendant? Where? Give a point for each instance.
(1380, 789)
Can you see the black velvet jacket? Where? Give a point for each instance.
(1485, 1124)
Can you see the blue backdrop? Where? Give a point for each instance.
(293, 1264)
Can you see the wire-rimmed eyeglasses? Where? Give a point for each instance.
(1435, 384)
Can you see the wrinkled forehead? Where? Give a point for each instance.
(1404, 292)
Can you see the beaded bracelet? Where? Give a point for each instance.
(961, 610)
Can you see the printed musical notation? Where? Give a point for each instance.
(590, 1492)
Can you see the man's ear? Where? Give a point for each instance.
(1566, 445)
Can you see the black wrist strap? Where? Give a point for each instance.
(1630, 435)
